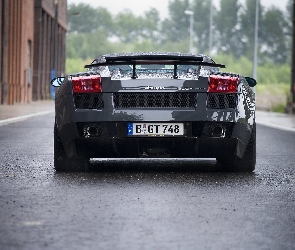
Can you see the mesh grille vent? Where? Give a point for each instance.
(222, 101)
(88, 101)
(155, 100)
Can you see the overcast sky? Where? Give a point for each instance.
(138, 7)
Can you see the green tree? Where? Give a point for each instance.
(128, 27)
(289, 18)
(201, 9)
(87, 45)
(248, 27)
(289, 13)
(274, 29)
(151, 25)
(228, 33)
(82, 18)
(175, 28)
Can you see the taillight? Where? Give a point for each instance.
(222, 84)
(87, 84)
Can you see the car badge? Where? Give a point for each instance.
(154, 88)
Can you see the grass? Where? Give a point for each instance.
(272, 97)
(273, 89)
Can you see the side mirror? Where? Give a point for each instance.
(56, 82)
(251, 81)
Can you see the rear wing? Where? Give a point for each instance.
(154, 59)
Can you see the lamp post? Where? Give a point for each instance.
(191, 14)
(54, 46)
(254, 73)
(211, 27)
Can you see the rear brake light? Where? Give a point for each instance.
(223, 84)
(87, 84)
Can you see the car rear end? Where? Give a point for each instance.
(209, 115)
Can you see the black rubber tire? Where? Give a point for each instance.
(64, 164)
(247, 162)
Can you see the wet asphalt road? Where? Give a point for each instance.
(143, 204)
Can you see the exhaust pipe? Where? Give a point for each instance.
(218, 131)
(92, 131)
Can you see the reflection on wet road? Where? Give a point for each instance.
(143, 203)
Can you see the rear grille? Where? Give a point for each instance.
(155, 100)
(222, 101)
(88, 101)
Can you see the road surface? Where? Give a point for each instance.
(143, 204)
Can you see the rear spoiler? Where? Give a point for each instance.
(154, 59)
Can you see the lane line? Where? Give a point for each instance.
(24, 117)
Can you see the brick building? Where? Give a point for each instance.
(32, 48)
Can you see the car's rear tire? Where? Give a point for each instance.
(64, 164)
(246, 163)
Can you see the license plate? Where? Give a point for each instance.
(155, 129)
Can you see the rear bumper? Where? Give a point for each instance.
(156, 147)
(111, 140)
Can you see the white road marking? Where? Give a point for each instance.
(276, 126)
(24, 117)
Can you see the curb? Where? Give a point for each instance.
(24, 117)
(275, 126)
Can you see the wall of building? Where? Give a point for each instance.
(32, 48)
(17, 36)
(49, 49)
(3, 49)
